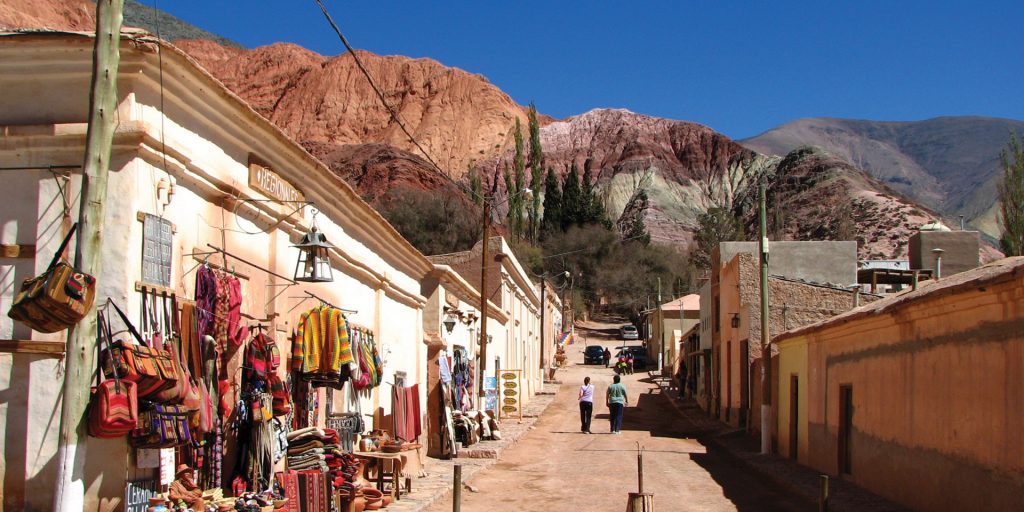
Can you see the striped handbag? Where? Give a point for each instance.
(113, 407)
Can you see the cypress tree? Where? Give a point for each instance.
(536, 172)
(592, 208)
(1011, 198)
(552, 219)
(572, 199)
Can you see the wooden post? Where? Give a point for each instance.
(483, 302)
(823, 494)
(766, 345)
(457, 489)
(69, 493)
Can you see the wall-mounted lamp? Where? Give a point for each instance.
(449, 323)
(735, 320)
(314, 264)
(489, 339)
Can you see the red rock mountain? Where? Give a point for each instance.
(456, 116)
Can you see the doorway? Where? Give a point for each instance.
(794, 415)
(845, 429)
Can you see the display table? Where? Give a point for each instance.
(389, 469)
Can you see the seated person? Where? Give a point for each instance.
(184, 488)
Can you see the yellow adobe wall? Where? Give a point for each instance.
(937, 397)
(792, 360)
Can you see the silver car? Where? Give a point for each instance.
(629, 332)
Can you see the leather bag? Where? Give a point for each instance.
(56, 299)
(113, 406)
(152, 370)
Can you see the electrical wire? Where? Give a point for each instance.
(380, 94)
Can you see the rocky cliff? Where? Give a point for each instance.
(950, 164)
(457, 117)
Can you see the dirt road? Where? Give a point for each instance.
(556, 467)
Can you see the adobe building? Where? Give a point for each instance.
(223, 187)
(511, 290)
(959, 250)
(916, 397)
(729, 312)
(677, 317)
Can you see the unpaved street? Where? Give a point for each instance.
(556, 467)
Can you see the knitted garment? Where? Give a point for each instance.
(321, 344)
(236, 331)
(206, 294)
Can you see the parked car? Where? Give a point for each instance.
(629, 332)
(593, 354)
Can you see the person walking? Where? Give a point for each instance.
(629, 363)
(607, 356)
(616, 400)
(586, 405)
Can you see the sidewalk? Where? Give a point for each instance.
(800, 480)
(436, 482)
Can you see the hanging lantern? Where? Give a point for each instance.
(449, 323)
(314, 264)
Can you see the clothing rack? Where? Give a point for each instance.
(311, 295)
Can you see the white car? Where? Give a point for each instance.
(629, 332)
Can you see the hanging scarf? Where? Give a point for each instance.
(206, 294)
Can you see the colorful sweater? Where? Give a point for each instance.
(321, 345)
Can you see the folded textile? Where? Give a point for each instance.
(305, 432)
(306, 466)
(296, 448)
(303, 451)
(306, 458)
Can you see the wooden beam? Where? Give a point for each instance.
(17, 251)
(33, 347)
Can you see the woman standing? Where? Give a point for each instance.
(586, 405)
(616, 400)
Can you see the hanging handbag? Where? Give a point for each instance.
(161, 426)
(57, 299)
(150, 369)
(113, 406)
(181, 393)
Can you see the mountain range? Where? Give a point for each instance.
(914, 171)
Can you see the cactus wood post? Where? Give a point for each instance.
(69, 493)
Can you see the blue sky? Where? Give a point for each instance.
(738, 67)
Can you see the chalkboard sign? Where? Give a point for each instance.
(157, 247)
(137, 495)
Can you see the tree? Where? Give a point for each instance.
(592, 208)
(714, 226)
(476, 186)
(536, 172)
(552, 219)
(572, 199)
(435, 223)
(1011, 198)
(515, 198)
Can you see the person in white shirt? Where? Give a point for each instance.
(586, 405)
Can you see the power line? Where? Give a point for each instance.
(380, 94)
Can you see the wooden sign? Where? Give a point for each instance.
(267, 182)
(511, 382)
(137, 495)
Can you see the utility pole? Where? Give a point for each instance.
(766, 346)
(483, 297)
(543, 364)
(79, 361)
(661, 331)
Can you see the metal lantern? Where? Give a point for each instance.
(449, 323)
(314, 265)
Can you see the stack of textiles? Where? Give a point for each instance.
(312, 449)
